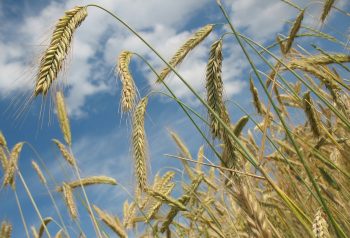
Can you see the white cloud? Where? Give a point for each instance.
(261, 19)
(161, 22)
(138, 13)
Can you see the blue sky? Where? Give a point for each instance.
(101, 136)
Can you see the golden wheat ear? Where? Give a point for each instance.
(6, 230)
(139, 144)
(63, 118)
(53, 58)
(189, 45)
(128, 96)
(326, 9)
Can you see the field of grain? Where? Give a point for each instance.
(267, 174)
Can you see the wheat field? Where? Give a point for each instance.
(281, 171)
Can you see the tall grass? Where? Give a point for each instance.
(266, 175)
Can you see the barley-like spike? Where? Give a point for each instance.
(214, 87)
(310, 113)
(90, 181)
(3, 159)
(128, 96)
(164, 186)
(34, 232)
(69, 199)
(240, 125)
(54, 57)
(255, 215)
(6, 230)
(320, 226)
(65, 153)
(155, 206)
(184, 152)
(190, 44)
(256, 101)
(63, 118)
(2, 140)
(326, 9)
(165, 198)
(46, 221)
(111, 222)
(129, 211)
(39, 172)
(9, 177)
(59, 234)
(293, 32)
(321, 59)
(184, 199)
(200, 158)
(139, 143)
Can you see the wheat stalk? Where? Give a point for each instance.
(54, 57)
(190, 44)
(63, 118)
(89, 181)
(111, 222)
(128, 96)
(139, 143)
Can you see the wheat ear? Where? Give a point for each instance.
(69, 199)
(128, 96)
(9, 177)
(111, 222)
(326, 9)
(2, 140)
(63, 118)
(89, 181)
(256, 101)
(293, 32)
(214, 87)
(190, 44)
(59, 234)
(39, 172)
(311, 114)
(46, 221)
(320, 226)
(54, 57)
(6, 230)
(165, 186)
(65, 153)
(237, 129)
(3, 159)
(139, 143)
